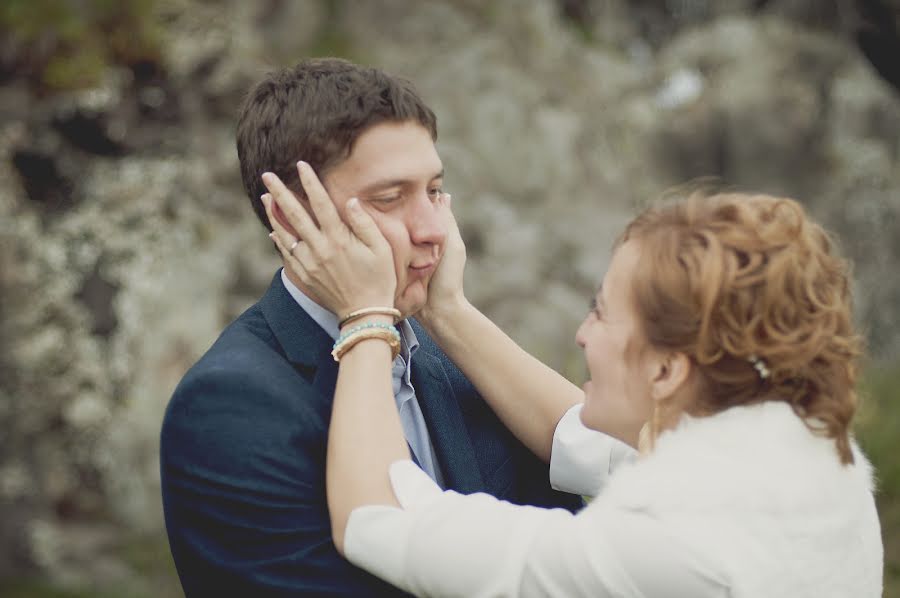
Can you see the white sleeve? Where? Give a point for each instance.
(581, 459)
(447, 544)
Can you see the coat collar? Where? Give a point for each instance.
(446, 426)
(308, 347)
(304, 343)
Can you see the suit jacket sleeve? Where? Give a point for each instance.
(242, 466)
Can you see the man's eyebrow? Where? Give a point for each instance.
(378, 185)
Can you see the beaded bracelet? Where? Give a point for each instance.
(366, 326)
(356, 334)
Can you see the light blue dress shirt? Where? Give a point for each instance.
(411, 417)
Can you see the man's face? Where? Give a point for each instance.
(397, 175)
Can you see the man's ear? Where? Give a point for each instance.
(672, 370)
(282, 219)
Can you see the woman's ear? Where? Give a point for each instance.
(671, 372)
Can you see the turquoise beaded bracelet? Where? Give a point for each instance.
(349, 338)
(355, 329)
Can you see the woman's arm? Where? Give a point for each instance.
(446, 544)
(365, 435)
(528, 396)
(349, 269)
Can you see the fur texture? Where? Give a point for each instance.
(754, 489)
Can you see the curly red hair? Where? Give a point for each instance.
(727, 277)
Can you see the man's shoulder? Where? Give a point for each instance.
(244, 371)
(246, 345)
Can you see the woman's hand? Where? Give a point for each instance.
(445, 291)
(346, 268)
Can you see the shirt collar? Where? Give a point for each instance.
(324, 318)
(328, 321)
(409, 343)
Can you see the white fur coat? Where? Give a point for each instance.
(744, 504)
(753, 488)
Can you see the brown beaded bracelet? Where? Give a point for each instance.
(371, 311)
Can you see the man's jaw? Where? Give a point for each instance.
(412, 299)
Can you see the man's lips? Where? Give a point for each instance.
(422, 270)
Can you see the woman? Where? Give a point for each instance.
(720, 341)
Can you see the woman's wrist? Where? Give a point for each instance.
(370, 319)
(443, 318)
(364, 312)
(375, 327)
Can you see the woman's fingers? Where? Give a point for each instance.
(454, 243)
(446, 287)
(344, 265)
(319, 200)
(293, 257)
(282, 236)
(295, 213)
(363, 226)
(332, 227)
(452, 226)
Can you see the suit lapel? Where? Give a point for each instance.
(303, 341)
(308, 347)
(446, 426)
(325, 378)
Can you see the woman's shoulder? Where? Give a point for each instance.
(761, 456)
(756, 490)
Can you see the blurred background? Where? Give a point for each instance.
(126, 243)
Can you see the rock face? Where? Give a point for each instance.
(127, 244)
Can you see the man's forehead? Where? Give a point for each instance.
(386, 181)
(381, 176)
(386, 170)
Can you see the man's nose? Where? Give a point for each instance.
(426, 226)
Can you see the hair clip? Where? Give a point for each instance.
(760, 366)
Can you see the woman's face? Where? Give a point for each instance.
(617, 396)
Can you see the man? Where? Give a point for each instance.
(243, 441)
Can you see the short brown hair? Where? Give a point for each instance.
(726, 277)
(314, 112)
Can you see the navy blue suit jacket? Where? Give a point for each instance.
(242, 457)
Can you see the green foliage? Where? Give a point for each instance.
(66, 44)
(81, 69)
(42, 589)
(330, 40)
(879, 425)
(148, 557)
(878, 431)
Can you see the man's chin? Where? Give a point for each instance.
(408, 310)
(412, 300)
